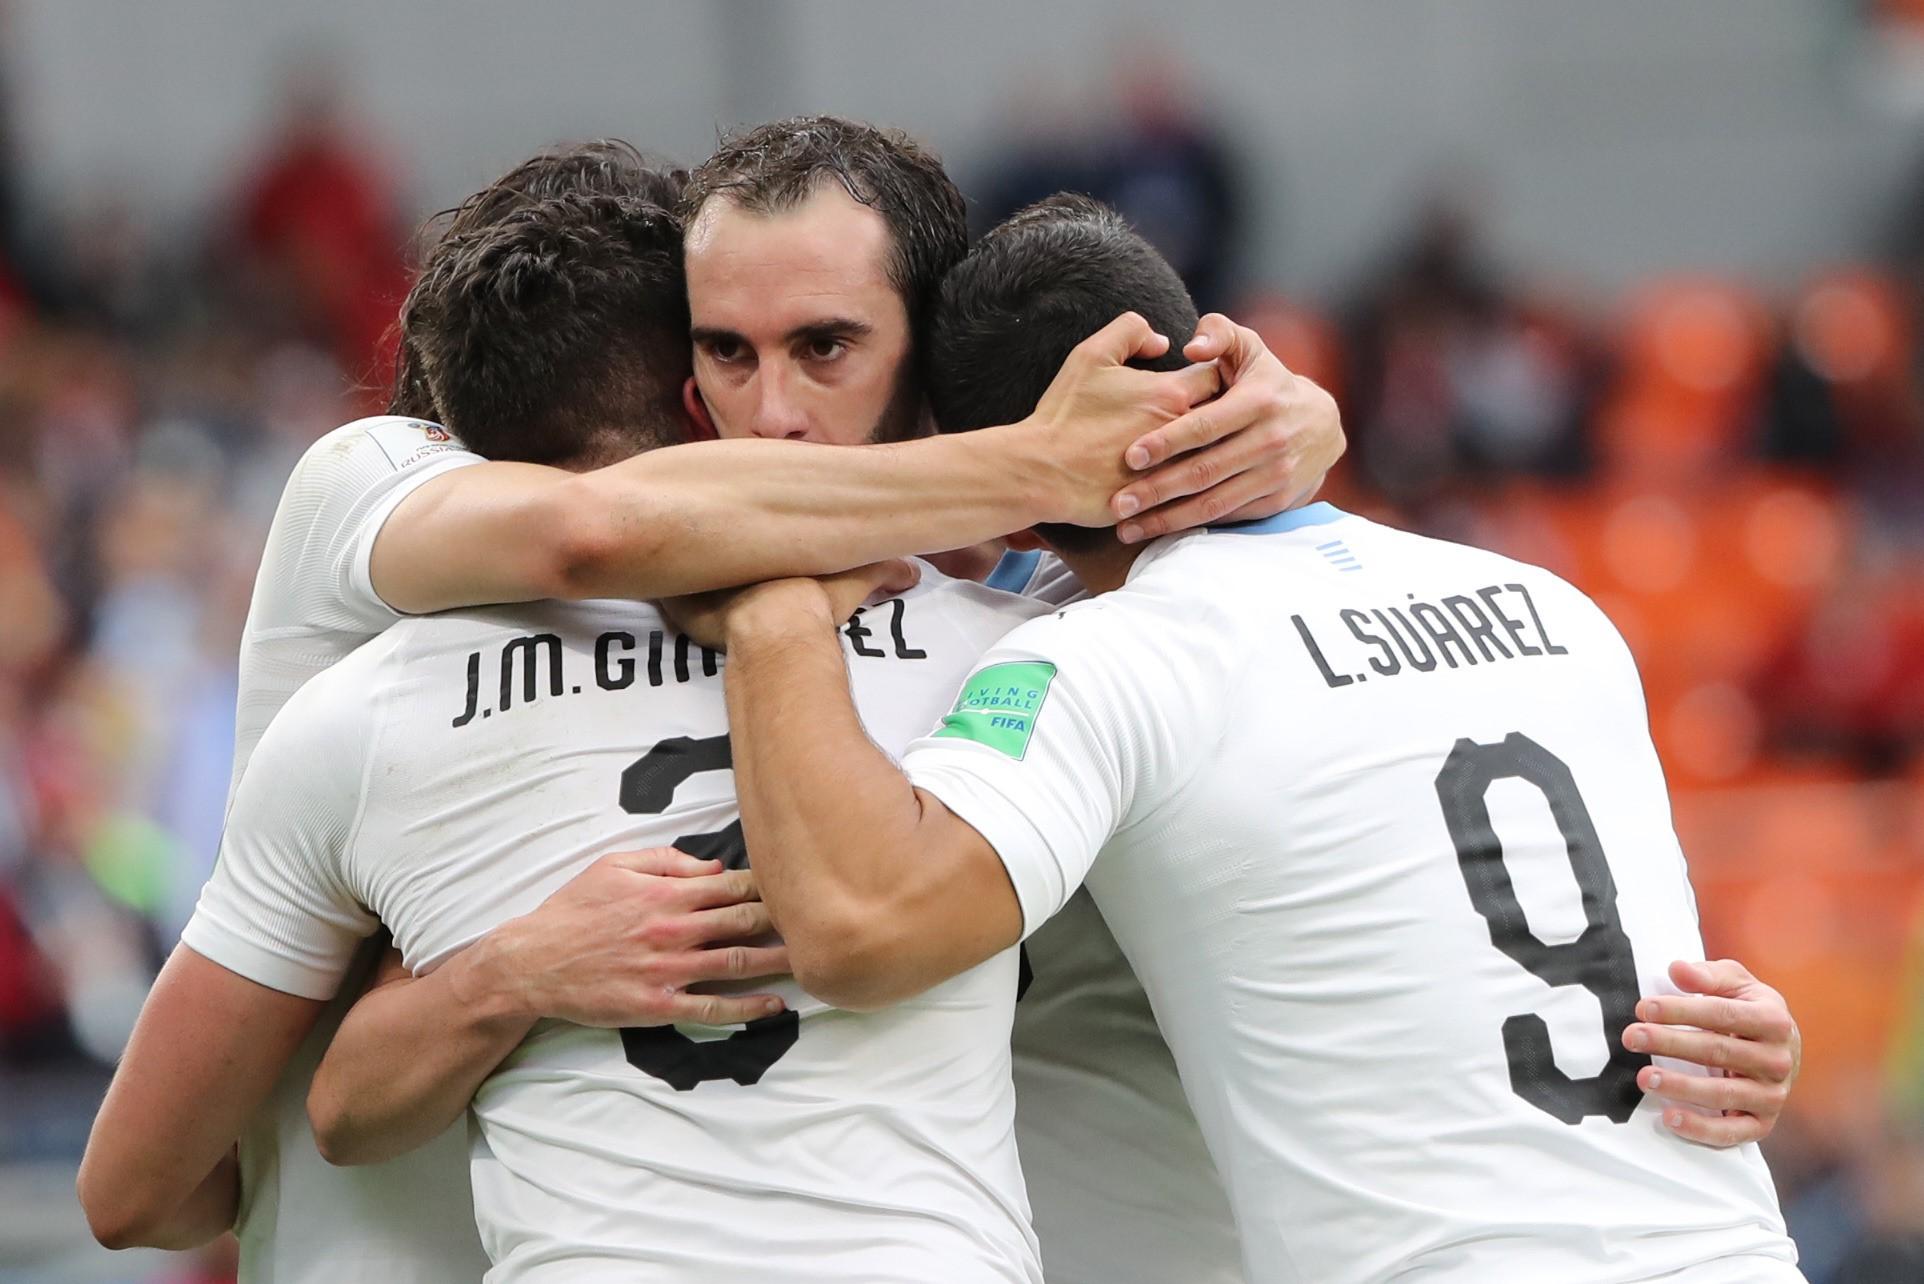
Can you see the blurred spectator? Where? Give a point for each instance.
(1155, 157)
(319, 223)
(1452, 375)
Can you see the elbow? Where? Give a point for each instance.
(118, 1218)
(850, 964)
(585, 540)
(333, 1137)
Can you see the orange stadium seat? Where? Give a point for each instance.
(1822, 879)
(1693, 353)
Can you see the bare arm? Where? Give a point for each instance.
(209, 1045)
(618, 945)
(702, 516)
(879, 890)
(410, 1054)
(714, 514)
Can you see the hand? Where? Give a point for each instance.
(622, 941)
(1096, 406)
(1262, 447)
(1744, 1029)
(706, 617)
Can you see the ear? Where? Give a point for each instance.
(698, 416)
(1025, 541)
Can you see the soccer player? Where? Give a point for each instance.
(1386, 841)
(1120, 1181)
(799, 236)
(363, 534)
(454, 773)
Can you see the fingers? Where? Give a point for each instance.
(1714, 1092)
(1194, 386)
(1767, 1061)
(1123, 340)
(1767, 1020)
(663, 861)
(1214, 335)
(729, 887)
(717, 1009)
(1219, 339)
(896, 575)
(1716, 1130)
(1206, 503)
(1723, 976)
(737, 963)
(746, 921)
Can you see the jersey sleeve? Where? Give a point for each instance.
(1048, 751)
(315, 570)
(279, 908)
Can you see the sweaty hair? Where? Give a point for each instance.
(773, 168)
(555, 331)
(1032, 289)
(599, 167)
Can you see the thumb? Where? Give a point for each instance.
(888, 577)
(1123, 340)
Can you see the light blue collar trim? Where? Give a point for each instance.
(1013, 573)
(1317, 514)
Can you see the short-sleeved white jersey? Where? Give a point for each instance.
(1382, 831)
(302, 1220)
(1121, 1186)
(456, 771)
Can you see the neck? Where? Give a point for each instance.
(1104, 568)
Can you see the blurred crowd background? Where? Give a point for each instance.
(1645, 306)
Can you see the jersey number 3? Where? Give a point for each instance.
(647, 788)
(1599, 960)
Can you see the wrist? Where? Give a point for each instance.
(1025, 463)
(489, 980)
(778, 608)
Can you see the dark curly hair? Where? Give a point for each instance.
(598, 167)
(556, 331)
(775, 167)
(1031, 290)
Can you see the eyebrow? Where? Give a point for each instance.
(827, 328)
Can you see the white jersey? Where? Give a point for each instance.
(1121, 1186)
(455, 772)
(1390, 848)
(302, 1220)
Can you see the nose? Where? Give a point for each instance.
(778, 415)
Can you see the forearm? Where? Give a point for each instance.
(834, 829)
(208, 1213)
(409, 1057)
(715, 514)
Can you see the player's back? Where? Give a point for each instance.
(1395, 904)
(511, 747)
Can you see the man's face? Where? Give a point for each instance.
(798, 331)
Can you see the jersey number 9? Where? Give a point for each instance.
(1599, 960)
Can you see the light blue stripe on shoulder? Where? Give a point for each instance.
(1317, 514)
(1013, 573)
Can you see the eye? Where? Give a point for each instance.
(726, 349)
(824, 348)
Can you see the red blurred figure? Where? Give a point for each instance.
(320, 220)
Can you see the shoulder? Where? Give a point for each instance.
(391, 442)
(980, 614)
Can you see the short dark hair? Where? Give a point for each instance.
(597, 167)
(772, 168)
(1033, 288)
(557, 332)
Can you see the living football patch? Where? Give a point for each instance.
(998, 707)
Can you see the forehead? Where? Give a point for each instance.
(830, 251)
